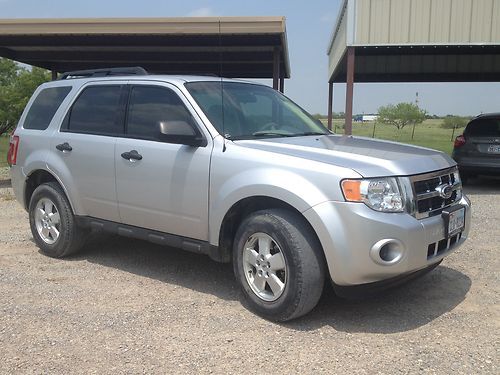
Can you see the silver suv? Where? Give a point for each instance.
(237, 171)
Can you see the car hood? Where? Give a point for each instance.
(368, 157)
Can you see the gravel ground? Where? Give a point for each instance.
(125, 306)
(4, 175)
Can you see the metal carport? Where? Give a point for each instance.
(413, 41)
(243, 47)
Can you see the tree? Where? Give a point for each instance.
(8, 75)
(401, 115)
(17, 84)
(319, 116)
(454, 122)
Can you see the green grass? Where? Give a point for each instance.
(428, 134)
(4, 147)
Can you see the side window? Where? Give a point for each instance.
(148, 106)
(44, 107)
(97, 111)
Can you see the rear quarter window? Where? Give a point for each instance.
(44, 107)
(483, 128)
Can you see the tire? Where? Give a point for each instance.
(278, 287)
(52, 222)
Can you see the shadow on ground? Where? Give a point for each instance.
(6, 183)
(404, 308)
(483, 185)
(166, 264)
(408, 307)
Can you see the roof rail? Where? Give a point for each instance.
(106, 72)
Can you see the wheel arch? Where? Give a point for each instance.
(37, 177)
(237, 213)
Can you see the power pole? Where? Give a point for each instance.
(416, 103)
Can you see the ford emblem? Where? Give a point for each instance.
(445, 191)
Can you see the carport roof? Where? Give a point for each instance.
(439, 63)
(244, 47)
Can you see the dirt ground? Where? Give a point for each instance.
(126, 306)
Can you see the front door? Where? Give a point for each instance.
(159, 185)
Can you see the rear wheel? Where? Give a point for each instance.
(52, 222)
(278, 263)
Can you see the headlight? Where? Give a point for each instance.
(380, 194)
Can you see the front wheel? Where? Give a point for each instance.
(52, 222)
(278, 263)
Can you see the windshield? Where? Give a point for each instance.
(248, 111)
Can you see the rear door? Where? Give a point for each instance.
(167, 189)
(83, 150)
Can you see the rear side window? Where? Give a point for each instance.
(97, 111)
(149, 106)
(484, 128)
(44, 107)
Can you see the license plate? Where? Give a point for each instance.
(454, 221)
(494, 149)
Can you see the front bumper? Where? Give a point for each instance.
(349, 231)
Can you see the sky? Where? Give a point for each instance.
(309, 26)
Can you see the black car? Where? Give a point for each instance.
(477, 150)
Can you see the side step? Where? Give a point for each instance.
(160, 238)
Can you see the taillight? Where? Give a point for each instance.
(459, 141)
(13, 147)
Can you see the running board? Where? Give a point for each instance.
(160, 238)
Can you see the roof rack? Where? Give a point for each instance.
(106, 72)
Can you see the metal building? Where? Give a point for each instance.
(413, 41)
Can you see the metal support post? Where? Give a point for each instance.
(330, 104)
(282, 84)
(276, 68)
(349, 91)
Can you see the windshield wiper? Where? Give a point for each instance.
(268, 133)
(265, 133)
(309, 133)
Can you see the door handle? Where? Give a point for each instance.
(64, 147)
(132, 155)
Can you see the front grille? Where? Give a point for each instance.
(428, 200)
(437, 248)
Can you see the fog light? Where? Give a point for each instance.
(387, 252)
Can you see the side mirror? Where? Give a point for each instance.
(180, 132)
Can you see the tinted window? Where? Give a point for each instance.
(44, 107)
(97, 111)
(483, 128)
(151, 105)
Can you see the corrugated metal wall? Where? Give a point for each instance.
(339, 45)
(427, 22)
